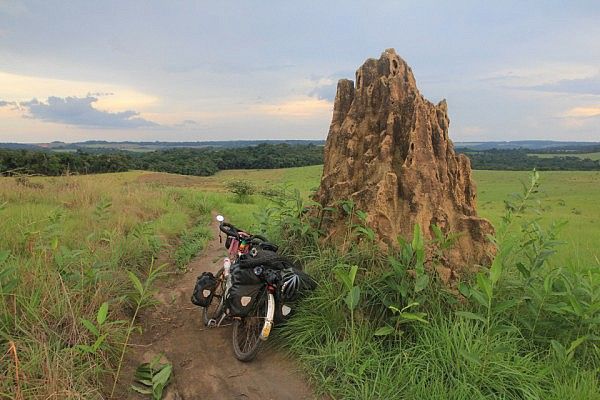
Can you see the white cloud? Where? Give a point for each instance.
(301, 107)
(79, 111)
(583, 112)
(114, 97)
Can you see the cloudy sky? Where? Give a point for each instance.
(214, 70)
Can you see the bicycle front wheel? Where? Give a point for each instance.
(246, 331)
(215, 309)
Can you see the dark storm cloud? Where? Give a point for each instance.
(79, 111)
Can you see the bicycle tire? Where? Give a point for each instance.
(246, 332)
(217, 305)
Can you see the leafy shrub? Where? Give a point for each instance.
(241, 189)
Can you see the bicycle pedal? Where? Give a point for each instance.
(212, 323)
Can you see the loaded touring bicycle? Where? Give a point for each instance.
(254, 288)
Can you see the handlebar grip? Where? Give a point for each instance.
(228, 229)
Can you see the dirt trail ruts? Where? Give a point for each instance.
(204, 366)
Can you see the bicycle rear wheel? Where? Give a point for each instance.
(246, 332)
(215, 309)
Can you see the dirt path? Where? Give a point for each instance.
(203, 361)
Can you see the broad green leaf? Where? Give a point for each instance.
(352, 274)
(160, 380)
(479, 297)
(464, 289)
(417, 241)
(414, 317)
(353, 298)
(90, 327)
(577, 310)
(419, 260)
(85, 348)
(147, 382)
(394, 309)
(343, 277)
(163, 375)
(485, 285)
(361, 215)
(141, 390)
(409, 305)
(421, 282)
(384, 331)
(102, 313)
(99, 341)
(496, 270)
(470, 315)
(136, 283)
(367, 232)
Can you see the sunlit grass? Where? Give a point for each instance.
(67, 246)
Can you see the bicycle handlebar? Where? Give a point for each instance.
(233, 231)
(229, 230)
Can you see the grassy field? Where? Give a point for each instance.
(68, 246)
(526, 330)
(565, 196)
(591, 156)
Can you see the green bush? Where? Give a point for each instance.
(242, 190)
(523, 329)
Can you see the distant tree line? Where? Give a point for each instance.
(208, 161)
(570, 150)
(202, 162)
(53, 163)
(520, 160)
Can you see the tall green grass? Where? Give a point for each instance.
(70, 252)
(526, 328)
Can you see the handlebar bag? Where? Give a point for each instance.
(204, 289)
(244, 291)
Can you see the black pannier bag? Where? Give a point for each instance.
(244, 291)
(204, 289)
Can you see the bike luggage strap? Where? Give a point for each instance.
(270, 260)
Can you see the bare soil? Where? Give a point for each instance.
(203, 362)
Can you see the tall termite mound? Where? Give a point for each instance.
(388, 151)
